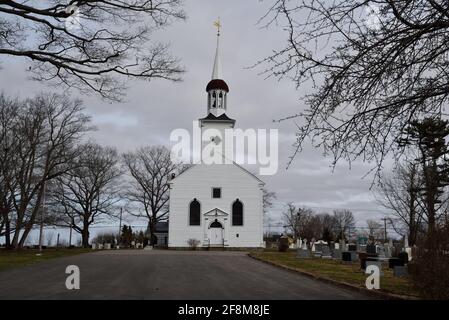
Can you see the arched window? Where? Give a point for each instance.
(194, 213)
(237, 213)
(214, 99)
(220, 100)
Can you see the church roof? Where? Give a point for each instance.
(217, 84)
(221, 118)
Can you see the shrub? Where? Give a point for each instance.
(193, 243)
(283, 244)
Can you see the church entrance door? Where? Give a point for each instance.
(216, 234)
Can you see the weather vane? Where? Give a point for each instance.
(218, 25)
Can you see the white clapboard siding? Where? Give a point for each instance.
(235, 183)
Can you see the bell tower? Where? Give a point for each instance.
(217, 89)
(213, 126)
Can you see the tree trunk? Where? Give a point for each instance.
(152, 228)
(85, 236)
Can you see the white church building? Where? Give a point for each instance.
(216, 205)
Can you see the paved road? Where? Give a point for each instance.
(165, 275)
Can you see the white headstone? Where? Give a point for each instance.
(313, 246)
(409, 252)
(406, 242)
(337, 245)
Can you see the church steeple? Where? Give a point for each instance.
(217, 89)
(217, 72)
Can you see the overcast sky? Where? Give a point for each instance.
(152, 110)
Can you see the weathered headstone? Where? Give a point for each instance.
(387, 250)
(354, 256)
(336, 254)
(107, 246)
(326, 252)
(303, 253)
(400, 271)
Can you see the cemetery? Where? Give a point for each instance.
(346, 262)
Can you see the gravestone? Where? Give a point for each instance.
(354, 256)
(326, 253)
(392, 262)
(107, 246)
(303, 253)
(346, 256)
(371, 249)
(381, 251)
(94, 246)
(336, 254)
(403, 256)
(100, 246)
(387, 250)
(400, 271)
(409, 252)
(336, 245)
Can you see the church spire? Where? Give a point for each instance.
(217, 89)
(217, 72)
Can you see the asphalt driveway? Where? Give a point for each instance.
(165, 274)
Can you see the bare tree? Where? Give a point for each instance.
(90, 45)
(88, 192)
(41, 140)
(374, 65)
(344, 223)
(150, 169)
(375, 230)
(268, 198)
(400, 194)
(296, 220)
(8, 117)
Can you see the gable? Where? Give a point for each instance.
(217, 171)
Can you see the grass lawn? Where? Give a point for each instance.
(339, 271)
(11, 259)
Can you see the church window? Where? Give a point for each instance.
(216, 193)
(194, 213)
(237, 213)
(214, 100)
(220, 100)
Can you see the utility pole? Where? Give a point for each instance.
(120, 226)
(41, 231)
(70, 236)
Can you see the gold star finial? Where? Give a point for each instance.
(218, 25)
